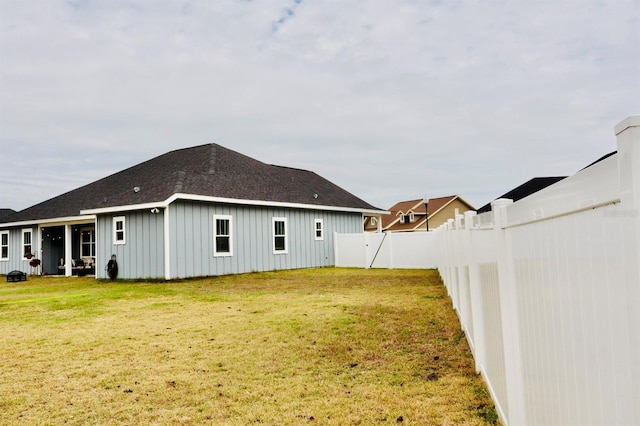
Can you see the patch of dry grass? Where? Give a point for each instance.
(321, 346)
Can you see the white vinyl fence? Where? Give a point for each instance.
(547, 290)
(387, 250)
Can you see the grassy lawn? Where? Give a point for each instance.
(320, 346)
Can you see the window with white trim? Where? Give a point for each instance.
(319, 233)
(407, 218)
(88, 242)
(4, 245)
(119, 230)
(280, 243)
(26, 243)
(222, 241)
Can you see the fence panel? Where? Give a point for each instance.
(414, 250)
(547, 290)
(350, 250)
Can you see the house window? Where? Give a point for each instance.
(4, 245)
(222, 245)
(26, 243)
(119, 230)
(318, 230)
(280, 235)
(88, 243)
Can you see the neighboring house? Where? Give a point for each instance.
(441, 209)
(406, 216)
(529, 187)
(418, 215)
(198, 211)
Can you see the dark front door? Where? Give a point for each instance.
(53, 250)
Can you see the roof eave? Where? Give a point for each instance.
(455, 197)
(193, 197)
(51, 221)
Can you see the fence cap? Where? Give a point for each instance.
(501, 202)
(631, 121)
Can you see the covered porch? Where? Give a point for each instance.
(68, 248)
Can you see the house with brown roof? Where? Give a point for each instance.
(421, 215)
(406, 216)
(441, 209)
(205, 210)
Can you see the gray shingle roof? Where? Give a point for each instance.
(5, 214)
(529, 187)
(205, 170)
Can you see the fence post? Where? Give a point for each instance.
(391, 253)
(455, 264)
(475, 293)
(460, 279)
(509, 312)
(464, 296)
(628, 141)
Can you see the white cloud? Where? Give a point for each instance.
(389, 99)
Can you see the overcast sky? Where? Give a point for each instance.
(390, 99)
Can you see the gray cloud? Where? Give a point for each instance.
(391, 100)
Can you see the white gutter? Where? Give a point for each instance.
(86, 218)
(128, 207)
(191, 197)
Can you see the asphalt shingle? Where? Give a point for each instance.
(206, 170)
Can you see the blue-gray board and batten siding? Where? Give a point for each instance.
(142, 254)
(192, 228)
(15, 260)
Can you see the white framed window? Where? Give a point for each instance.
(88, 242)
(119, 230)
(407, 218)
(4, 245)
(223, 237)
(26, 243)
(318, 230)
(280, 243)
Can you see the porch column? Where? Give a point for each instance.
(68, 271)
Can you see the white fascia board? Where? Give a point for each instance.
(205, 198)
(52, 221)
(116, 209)
(192, 197)
(419, 224)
